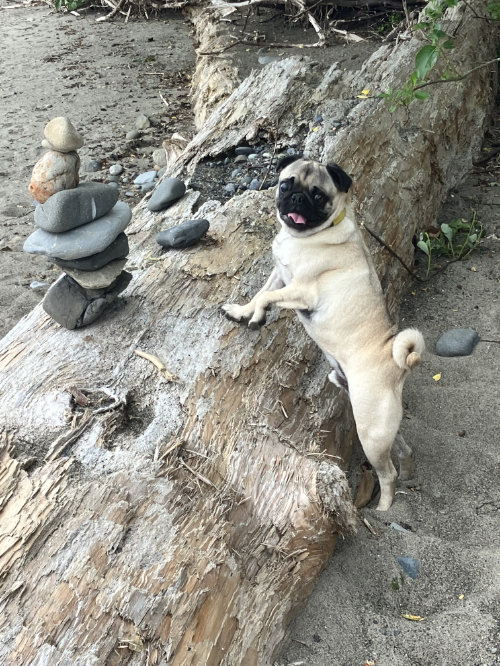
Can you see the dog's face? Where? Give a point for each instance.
(309, 194)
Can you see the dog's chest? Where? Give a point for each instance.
(288, 256)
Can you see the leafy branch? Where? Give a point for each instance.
(439, 44)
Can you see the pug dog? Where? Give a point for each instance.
(324, 271)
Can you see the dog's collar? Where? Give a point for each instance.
(339, 218)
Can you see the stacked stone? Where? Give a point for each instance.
(80, 228)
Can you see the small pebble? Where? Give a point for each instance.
(267, 155)
(159, 157)
(112, 184)
(230, 188)
(254, 184)
(146, 187)
(244, 150)
(146, 177)
(142, 122)
(115, 169)
(227, 160)
(253, 156)
(318, 118)
(410, 566)
(133, 135)
(37, 285)
(129, 194)
(291, 151)
(236, 172)
(240, 159)
(457, 342)
(92, 166)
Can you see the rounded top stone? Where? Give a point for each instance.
(62, 135)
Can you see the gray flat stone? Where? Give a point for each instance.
(457, 342)
(83, 241)
(183, 235)
(69, 209)
(116, 250)
(410, 566)
(146, 177)
(72, 306)
(168, 191)
(101, 278)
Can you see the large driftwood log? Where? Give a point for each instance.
(180, 515)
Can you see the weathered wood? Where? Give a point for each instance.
(183, 522)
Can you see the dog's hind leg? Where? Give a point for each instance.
(405, 457)
(377, 417)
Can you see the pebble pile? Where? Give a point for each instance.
(79, 228)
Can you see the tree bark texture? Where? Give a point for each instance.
(178, 508)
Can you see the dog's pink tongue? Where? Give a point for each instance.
(298, 219)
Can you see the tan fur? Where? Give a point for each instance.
(328, 272)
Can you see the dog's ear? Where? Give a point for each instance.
(285, 161)
(342, 181)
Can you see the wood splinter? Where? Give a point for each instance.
(158, 364)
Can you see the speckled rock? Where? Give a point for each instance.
(183, 235)
(83, 241)
(168, 191)
(62, 135)
(54, 171)
(116, 250)
(69, 209)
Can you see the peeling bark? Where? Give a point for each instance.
(154, 521)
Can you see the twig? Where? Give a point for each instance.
(158, 364)
(111, 13)
(198, 475)
(460, 77)
(163, 99)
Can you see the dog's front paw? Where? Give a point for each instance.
(235, 312)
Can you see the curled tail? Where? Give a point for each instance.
(407, 348)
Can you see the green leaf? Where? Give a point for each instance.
(448, 44)
(421, 94)
(422, 245)
(447, 231)
(425, 60)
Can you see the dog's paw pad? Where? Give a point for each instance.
(254, 325)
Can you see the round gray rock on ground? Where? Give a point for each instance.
(83, 241)
(168, 191)
(183, 235)
(457, 342)
(116, 250)
(71, 208)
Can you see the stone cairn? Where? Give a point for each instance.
(80, 227)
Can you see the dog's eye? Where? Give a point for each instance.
(284, 186)
(318, 195)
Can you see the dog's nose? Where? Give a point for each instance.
(297, 199)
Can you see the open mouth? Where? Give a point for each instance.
(296, 218)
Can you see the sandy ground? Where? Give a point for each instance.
(102, 76)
